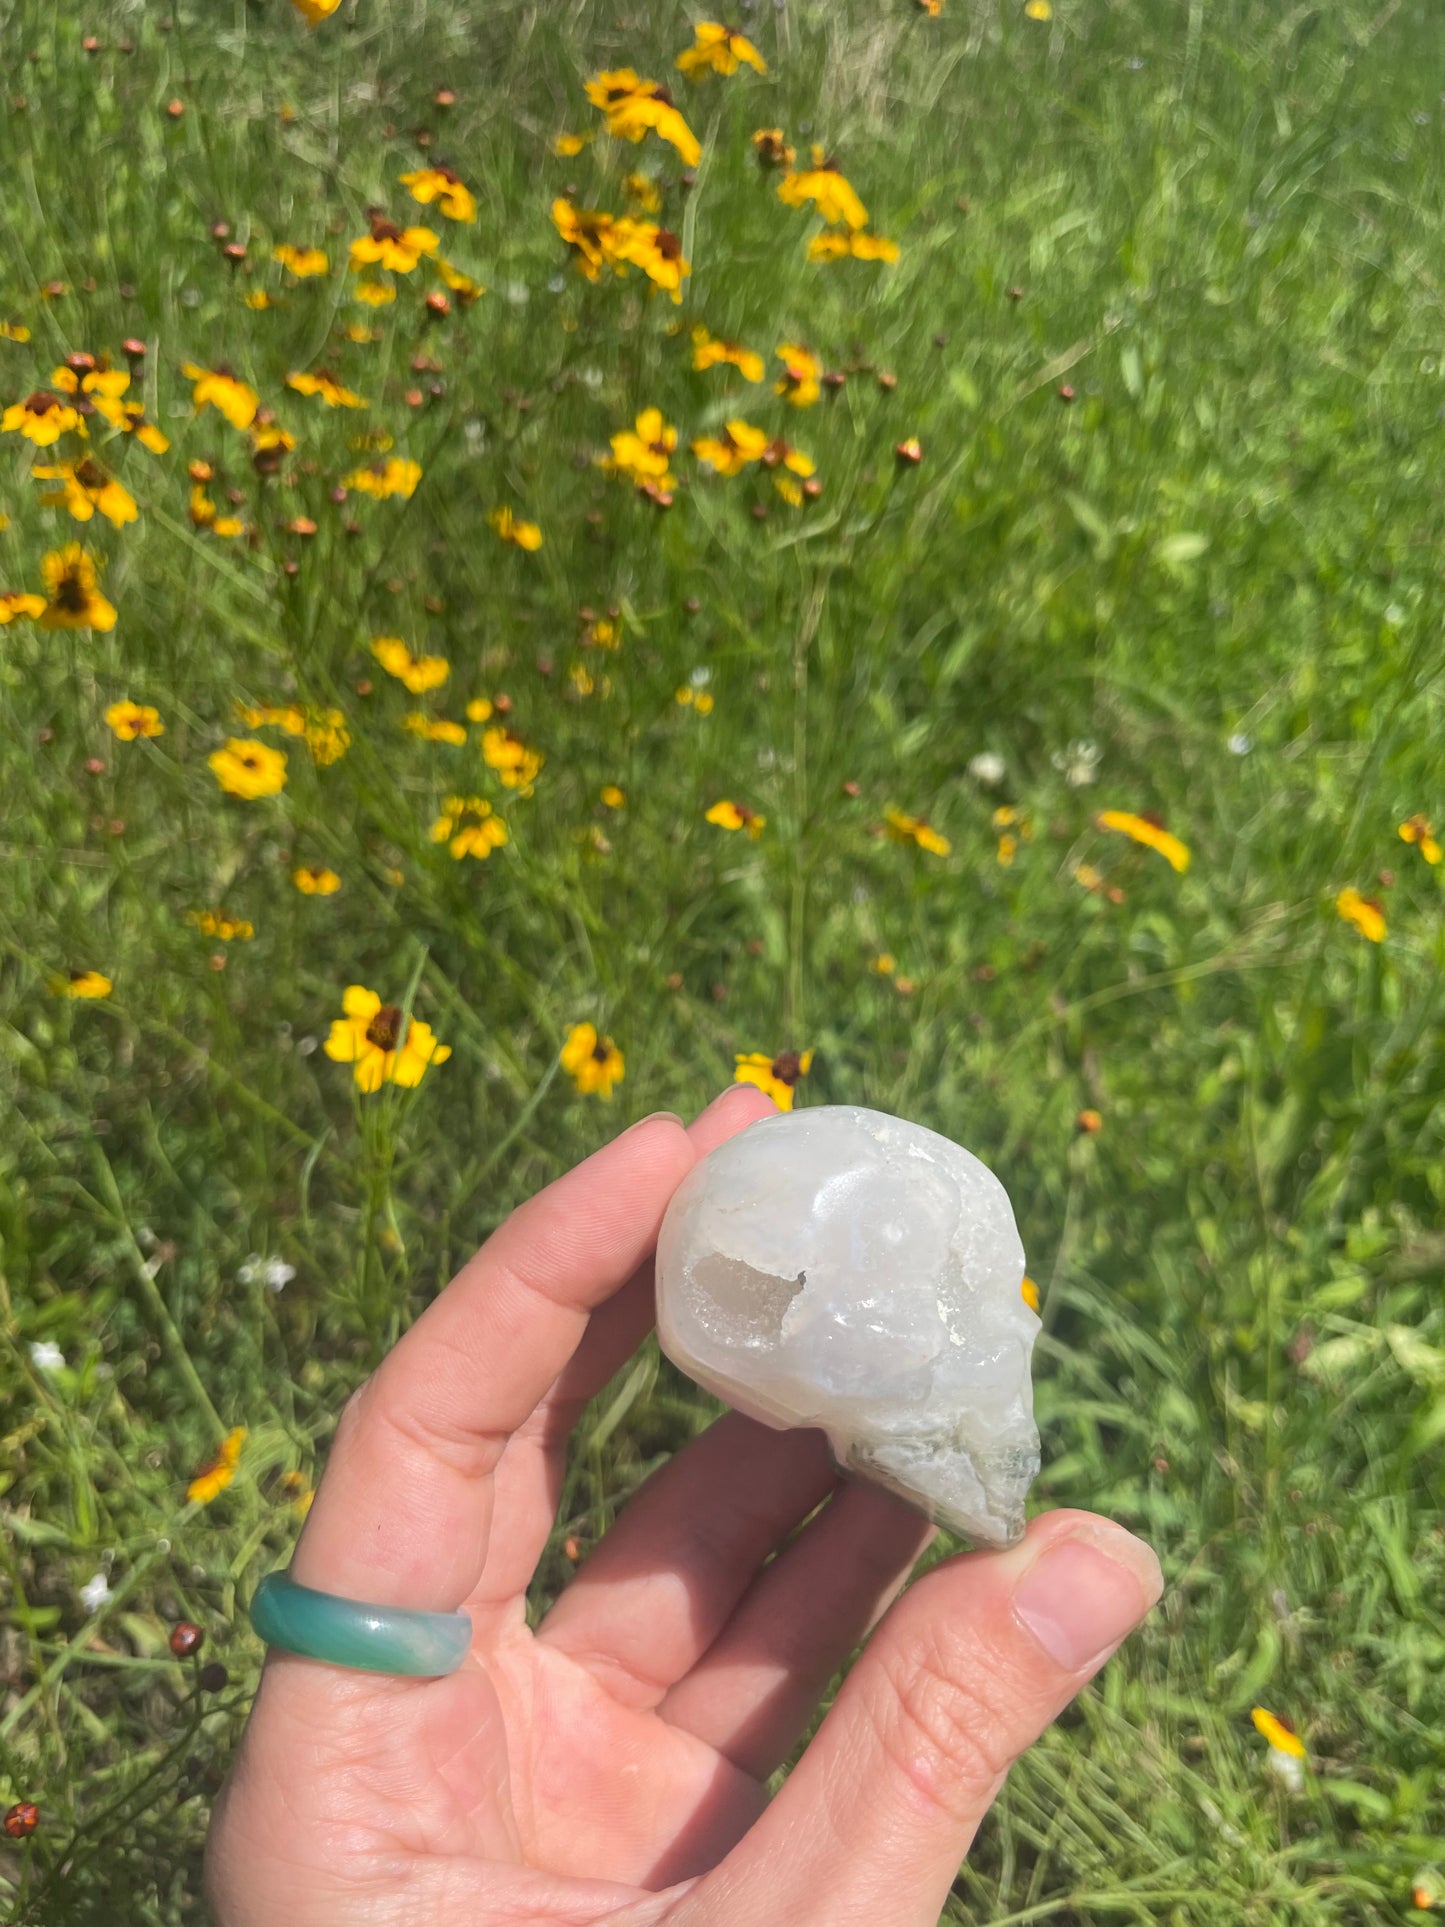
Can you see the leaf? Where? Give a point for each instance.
(1187, 546)
(1418, 1360)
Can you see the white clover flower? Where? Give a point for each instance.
(46, 1356)
(1078, 763)
(95, 1592)
(987, 768)
(276, 1274)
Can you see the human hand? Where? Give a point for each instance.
(612, 1765)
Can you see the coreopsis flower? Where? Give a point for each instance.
(376, 294)
(380, 1043)
(129, 418)
(778, 1076)
(394, 476)
(86, 984)
(217, 1473)
(1148, 831)
(205, 515)
(656, 250)
(1364, 913)
(861, 244)
(269, 442)
(698, 700)
(802, 370)
(469, 826)
(248, 769)
(417, 673)
(73, 597)
(1418, 830)
(313, 12)
(87, 488)
(1285, 1759)
(1029, 1292)
(15, 603)
(301, 262)
(827, 188)
(218, 388)
(259, 300)
(315, 880)
(566, 146)
(86, 375)
(736, 816)
(916, 829)
(14, 331)
(129, 720)
(772, 149)
(593, 1062)
(781, 454)
(517, 766)
(588, 232)
(479, 709)
(653, 112)
(608, 90)
(288, 716)
(391, 247)
(641, 453)
(522, 535)
(42, 418)
(434, 729)
(718, 50)
(643, 192)
(709, 351)
(328, 388)
(218, 924)
(731, 451)
(1038, 10)
(612, 796)
(462, 285)
(440, 184)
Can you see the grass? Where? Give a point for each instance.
(1218, 227)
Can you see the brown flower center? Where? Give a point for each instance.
(668, 245)
(71, 593)
(788, 1067)
(602, 1049)
(41, 402)
(385, 1027)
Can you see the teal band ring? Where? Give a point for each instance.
(348, 1632)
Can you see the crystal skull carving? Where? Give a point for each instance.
(848, 1270)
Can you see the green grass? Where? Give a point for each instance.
(1224, 222)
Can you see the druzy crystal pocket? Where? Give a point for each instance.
(848, 1270)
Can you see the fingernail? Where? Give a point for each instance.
(652, 1118)
(1085, 1593)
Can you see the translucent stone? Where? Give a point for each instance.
(848, 1270)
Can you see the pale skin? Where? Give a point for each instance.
(611, 1766)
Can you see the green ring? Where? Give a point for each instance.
(348, 1632)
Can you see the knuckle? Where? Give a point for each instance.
(939, 1719)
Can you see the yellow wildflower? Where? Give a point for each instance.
(313, 12)
(90, 377)
(522, 535)
(218, 388)
(656, 250)
(302, 262)
(565, 146)
(594, 1063)
(42, 418)
(607, 90)
(1038, 10)
(205, 515)
(1366, 915)
(379, 1042)
(375, 294)
(916, 829)
(434, 729)
(612, 796)
(781, 454)
(835, 244)
(801, 372)
(639, 114)
(248, 769)
(129, 720)
(328, 387)
(382, 479)
(1280, 1736)
(709, 351)
(315, 880)
(736, 816)
(440, 184)
(1418, 830)
(718, 50)
(216, 923)
(15, 603)
(74, 598)
(461, 285)
(288, 716)
(87, 488)
(1149, 832)
(641, 453)
(418, 673)
(129, 418)
(217, 1473)
(516, 765)
(469, 826)
(391, 247)
(1029, 1292)
(588, 232)
(260, 300)
(730, 452)
(479, 710)
(327, 736)
(829, 191)
(772, 149)
(85, 984)
(778, 1076)
(14, 331)
(643, 192)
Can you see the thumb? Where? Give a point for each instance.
(966, 1671)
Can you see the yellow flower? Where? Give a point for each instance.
(87, 488)
(14, 331)
(218, 388)
(565, 146)
(217, 1473)
(607, 90)
(328, 387)
(383, 479)
(730, 452)
(375, 294)
(699, 700)
(91, 377)
(85, 983)
(643, 192)
(461, 285)
(1364, 913)
(639, 114)
(299, 1492)
(586, 230)
(441, 185)
(516, 765)
(315, 880)
(593, 1063)
(15, 603)
(916, 829)
(1418, 830)
(260, 300)
(772, 149)
(469, 826)
(1038, 10)
(1029, 1292)
(418, 673)
(656, 250)
(313, 12)
(718, 50)
(735, 816)
(434, 729)
(1282, 1738)
(129, 418)
(829, 191)
(216, 923)
(130, 720)
(479, 710)
(836, 244)
(41, 418)
(641, 453)
(302, 262)
(379, 1042)
(75, 601)
(248, 769)
(205, 515)
(288, 716)
(1153, 835)
(801, 372)
(388, 246)
(885, 963)
(612, 796)
(708, 351)
(781, 454)
(776, 1075)
(522, 535)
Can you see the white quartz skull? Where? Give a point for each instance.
(845, 1269)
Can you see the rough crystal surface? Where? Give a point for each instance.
(845, 1269)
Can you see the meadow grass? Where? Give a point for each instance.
(1167, 325)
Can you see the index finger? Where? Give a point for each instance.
(403, 1515)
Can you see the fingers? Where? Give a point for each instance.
(965, 1672)
(660, 1587)
(755, 1690)
(403, 1514)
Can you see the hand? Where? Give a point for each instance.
(612, 1765)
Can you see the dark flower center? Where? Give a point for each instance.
(602, 1049)
(41, 402)
(71, 593)
(385, 1027)
(788, 1068)
(668, 245)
